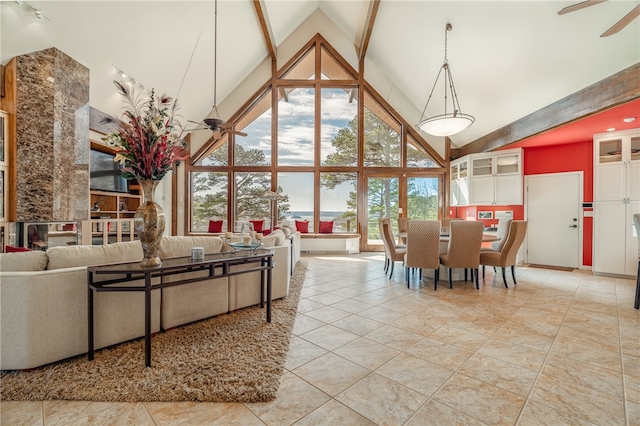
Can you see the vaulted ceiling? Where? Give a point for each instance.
(508, 58)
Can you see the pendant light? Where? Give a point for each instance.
(452, 122)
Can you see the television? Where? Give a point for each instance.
(106, 174)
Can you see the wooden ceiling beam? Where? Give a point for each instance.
(363, 44)
(265, 25)
(612, 91)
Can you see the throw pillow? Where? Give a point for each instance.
(257, 224)
(326, 227)
(215, 226)
(302, 226)
(12, 249)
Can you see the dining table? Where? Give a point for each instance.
(457, 273)
(444, 238)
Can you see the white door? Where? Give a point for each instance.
(552, 209)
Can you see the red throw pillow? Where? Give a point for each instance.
(215, 226)
(326, 227)
(12, 249)
(302, 226)
(257, 224)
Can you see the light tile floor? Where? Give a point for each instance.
(560, 348)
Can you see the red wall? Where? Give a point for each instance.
(567, 158)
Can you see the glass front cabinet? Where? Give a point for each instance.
(496, 178)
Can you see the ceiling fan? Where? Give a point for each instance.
(626, 20)
(214, 123)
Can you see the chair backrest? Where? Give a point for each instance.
(515, 237)
(465, 241)
(636, 221)
(503, 230)
(403, 224)
(381, 222)
(423, 244)
(445, 221)
(387, 237)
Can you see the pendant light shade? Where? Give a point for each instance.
(452, 122)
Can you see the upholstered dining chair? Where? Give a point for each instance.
(465, 241)
(423, 247)
(506, 256)
(381, 221)
(403, 223)
(394, 253)
(636, 222)
(501, 234)
(445, 221)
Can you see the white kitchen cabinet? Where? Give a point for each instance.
(617, 165)
(459, 182)
(496, 178)
(615, 246)
(616, 200)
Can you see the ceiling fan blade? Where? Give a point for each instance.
(199, 123)
(579, 6)
(626, 20)
(226, 125)
(236, 132)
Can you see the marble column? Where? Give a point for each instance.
(52, 137)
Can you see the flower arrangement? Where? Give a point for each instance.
(148, 140)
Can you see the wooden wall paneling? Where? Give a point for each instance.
(8, 105)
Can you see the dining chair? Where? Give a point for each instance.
(395, 253)
(636, 222)
(501, 234)
(403, 227)
(384, 242)
(509, 251)
(423, 247)
(465, 241)
(445, 221)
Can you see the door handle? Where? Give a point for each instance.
(573, 226)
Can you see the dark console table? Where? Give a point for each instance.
(218, 265)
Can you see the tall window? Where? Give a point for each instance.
(339, 127)
(296, 124)
(381, 136)
(320, 168)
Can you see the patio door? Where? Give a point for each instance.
(396, 195)
(383, 199)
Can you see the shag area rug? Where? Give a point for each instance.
(236, 357)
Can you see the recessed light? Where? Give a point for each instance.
(611, 129)
(629, 119)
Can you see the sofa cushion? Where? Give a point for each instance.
(278, 236)
(86, 255)
(286, 231)
(177, 246)
(326, 227)
(302, 226)
(215, 226)
(24, 261)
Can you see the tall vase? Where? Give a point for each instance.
(149, 223)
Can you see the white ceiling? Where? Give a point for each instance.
(508, 58)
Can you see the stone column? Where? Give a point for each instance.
(52, 137)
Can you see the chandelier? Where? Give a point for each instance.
(449, 123)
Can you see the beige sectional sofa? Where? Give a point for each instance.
(43, 297)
